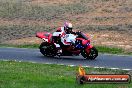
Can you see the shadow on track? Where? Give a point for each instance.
(69, 58)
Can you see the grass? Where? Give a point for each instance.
(9, 32)
(19, 9)
(34, 75)
(21, 46)
(112, 50)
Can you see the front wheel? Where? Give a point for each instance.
(47, 49)
(92, 55)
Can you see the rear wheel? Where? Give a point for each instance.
(47, 49)
(92, 55)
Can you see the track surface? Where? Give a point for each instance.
(33, 55)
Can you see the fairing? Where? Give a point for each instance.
(45, 36)
(42, 35)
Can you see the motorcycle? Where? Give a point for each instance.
(78, 44)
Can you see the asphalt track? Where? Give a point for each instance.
(33, 55)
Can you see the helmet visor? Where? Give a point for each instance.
(69, 29)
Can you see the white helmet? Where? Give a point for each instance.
(68, 27)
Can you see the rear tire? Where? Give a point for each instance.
(92, 55)
(47, 49)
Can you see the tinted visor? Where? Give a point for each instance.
(68, 28)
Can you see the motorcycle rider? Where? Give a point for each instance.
(60, 35)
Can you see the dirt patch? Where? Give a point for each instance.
(22, 41)
(112, 38)
(41, 2)
(81, 19)
(104, 12)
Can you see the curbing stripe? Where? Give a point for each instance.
(101, 67)
(86, 66)
(96, 67)
(33, 62)
(76, 65)
(127, 69)
(60, 64)
(114, 68)
(5, 60)
(47, 63)
(71, 65)
(115, 54)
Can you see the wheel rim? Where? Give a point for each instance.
(48, 50)
(93, 54)
(84, 54)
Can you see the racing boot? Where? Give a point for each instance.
(59, 52)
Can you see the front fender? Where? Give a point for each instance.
(88, 48)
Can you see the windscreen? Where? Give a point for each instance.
(81, 35)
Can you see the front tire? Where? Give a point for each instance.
(47, 49)
(92, 55)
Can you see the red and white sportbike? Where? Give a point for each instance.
(78, 44)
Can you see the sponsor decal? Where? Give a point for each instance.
(82, 77)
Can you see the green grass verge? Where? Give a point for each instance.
(34, 46)
(35, 75)
(112, 50)
(101, 49)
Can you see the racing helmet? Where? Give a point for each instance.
(68, 27)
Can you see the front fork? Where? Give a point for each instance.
(88, 48)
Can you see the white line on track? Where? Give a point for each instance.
(75, 65)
